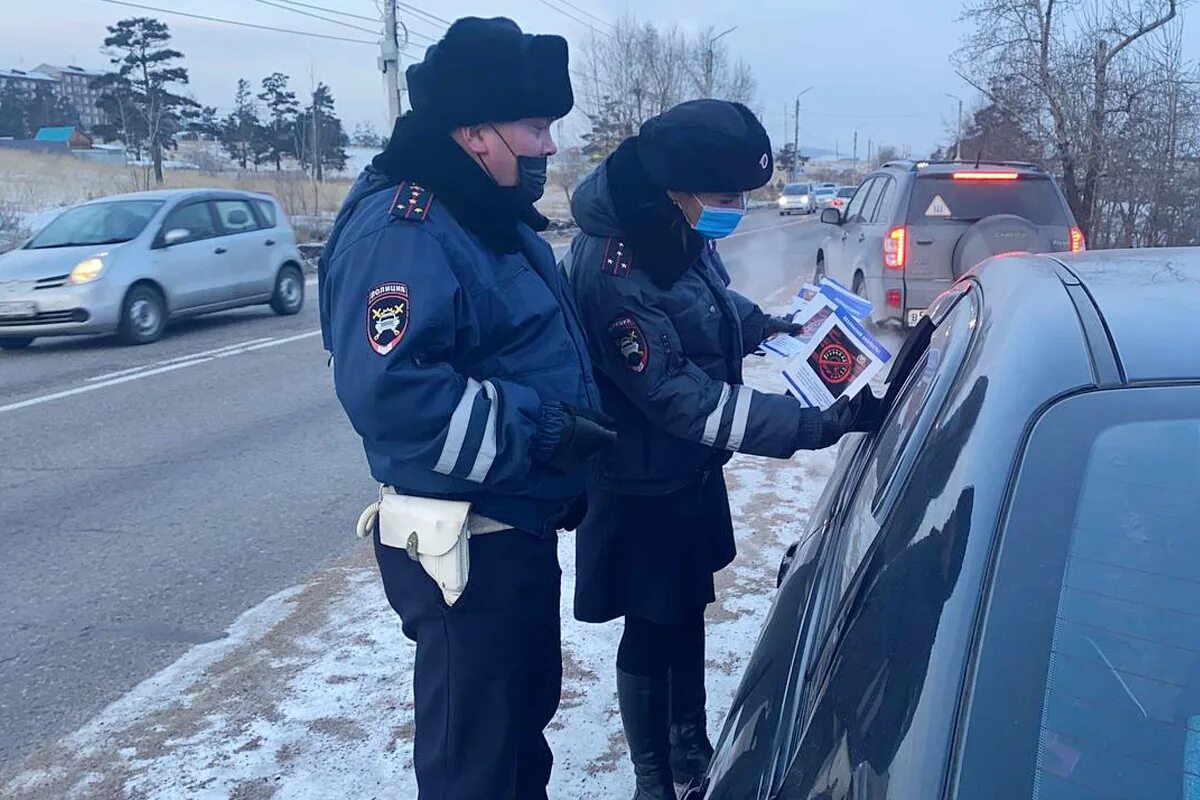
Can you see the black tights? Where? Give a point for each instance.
(651, 650)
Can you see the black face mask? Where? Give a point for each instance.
(532, 170)
(531, 174)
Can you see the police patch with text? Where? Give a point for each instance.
(630, 343)
(387, 316)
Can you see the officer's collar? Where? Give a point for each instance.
(426, 154)
(663, 244)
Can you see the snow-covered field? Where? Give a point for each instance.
(309, 694)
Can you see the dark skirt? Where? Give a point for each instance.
(652, 557)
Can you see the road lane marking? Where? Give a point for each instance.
(175, 360)
(91, 387)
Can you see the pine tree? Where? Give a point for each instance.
(242, 135)
(319, 133)
(142, 85)
(281, 109)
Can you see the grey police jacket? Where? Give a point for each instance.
(669, 360)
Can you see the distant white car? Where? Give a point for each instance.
(824, 195)
(130, 263)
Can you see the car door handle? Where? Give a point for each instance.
(220, 250)
(270, 243)
(924, 241)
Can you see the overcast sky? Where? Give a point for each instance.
(881, 67)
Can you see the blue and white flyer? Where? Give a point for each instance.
(838, 360)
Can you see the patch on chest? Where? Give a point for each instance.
(387, 316)
(630, 343)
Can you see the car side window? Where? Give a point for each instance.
(854, 210)
(868, 207)
(896, 446)
(266, 210)
(236, 216)
(195, 218)
(882, 212)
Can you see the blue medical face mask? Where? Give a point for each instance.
(715, 222)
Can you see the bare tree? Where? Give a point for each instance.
(1074, 63)
(640, 71)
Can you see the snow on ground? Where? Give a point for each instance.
(309, 694)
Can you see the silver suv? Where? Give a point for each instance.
(129, 263)
(912, 228)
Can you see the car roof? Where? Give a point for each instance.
(173, 194)
(950, 167)
(1149, 300)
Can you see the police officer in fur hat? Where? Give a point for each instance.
(459, 360)
(667, 340)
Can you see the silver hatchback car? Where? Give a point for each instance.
(130, 263)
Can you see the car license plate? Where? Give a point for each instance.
(914, 316)
(18, 310)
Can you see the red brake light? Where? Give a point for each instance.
(893, 298)
(895, 248)
(985, 176)
(1078, 244)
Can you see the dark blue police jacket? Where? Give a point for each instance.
(451, 360)
(669, 358)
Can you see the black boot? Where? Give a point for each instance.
(691, 750)
(646, 714)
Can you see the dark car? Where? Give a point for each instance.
(998, 595)
(912, 229)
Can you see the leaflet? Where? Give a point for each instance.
(838, 360)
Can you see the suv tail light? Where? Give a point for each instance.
(1078, 244)
(985, 176)
(895, 248)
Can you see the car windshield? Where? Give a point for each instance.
(847, 191)
(97, 224)
(1092, 655)
(795, 188)
(941, 198)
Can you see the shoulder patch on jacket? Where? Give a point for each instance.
(630, 343)
(411, 201)
(617, 259)
(387, 316)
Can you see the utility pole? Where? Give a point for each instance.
(856, 149)
(389, 59)
(796, 136)
(958, 126)
(709, 58)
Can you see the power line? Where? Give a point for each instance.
(569, 15)
(586, 13)
(331, 11)
(423, 13)
(316, 16)
(239, 23)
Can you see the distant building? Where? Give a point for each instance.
(75, 138)
(25, 81)
(77, 85)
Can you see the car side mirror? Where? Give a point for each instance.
(831, 216)
(175, 236)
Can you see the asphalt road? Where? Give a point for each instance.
(150, 495)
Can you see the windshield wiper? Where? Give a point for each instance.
(118, 240)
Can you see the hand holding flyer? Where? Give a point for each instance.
(839, 360)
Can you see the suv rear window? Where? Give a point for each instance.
(1090, 667)
(1034, 198)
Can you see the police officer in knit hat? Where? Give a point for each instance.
(459, 361)
(667, 339)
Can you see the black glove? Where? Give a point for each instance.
(834, 423)
(868, 410)
(585, 433)
(776, 325)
